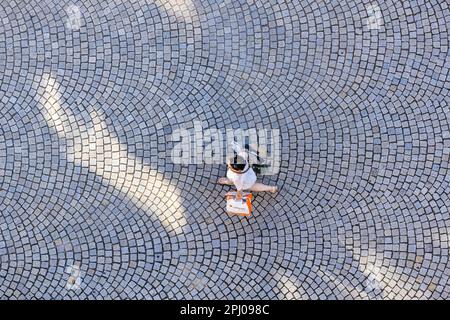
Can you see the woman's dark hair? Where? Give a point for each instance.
(238, 163)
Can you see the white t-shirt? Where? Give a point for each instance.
(243, 181)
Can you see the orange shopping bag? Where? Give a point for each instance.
(241, 207)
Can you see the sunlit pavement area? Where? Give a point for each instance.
(91, 205)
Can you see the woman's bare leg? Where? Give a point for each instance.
(260, 187)
(225, 181)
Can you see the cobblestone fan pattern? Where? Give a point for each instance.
(93, 207)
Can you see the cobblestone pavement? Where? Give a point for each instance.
(92, 206)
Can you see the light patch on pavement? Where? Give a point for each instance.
(180, 8)
(100, 150)
(374, 277)
(74, 17)
(75, 280)
(289, 286)
(375, 17)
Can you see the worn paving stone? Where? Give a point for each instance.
(92, 206)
